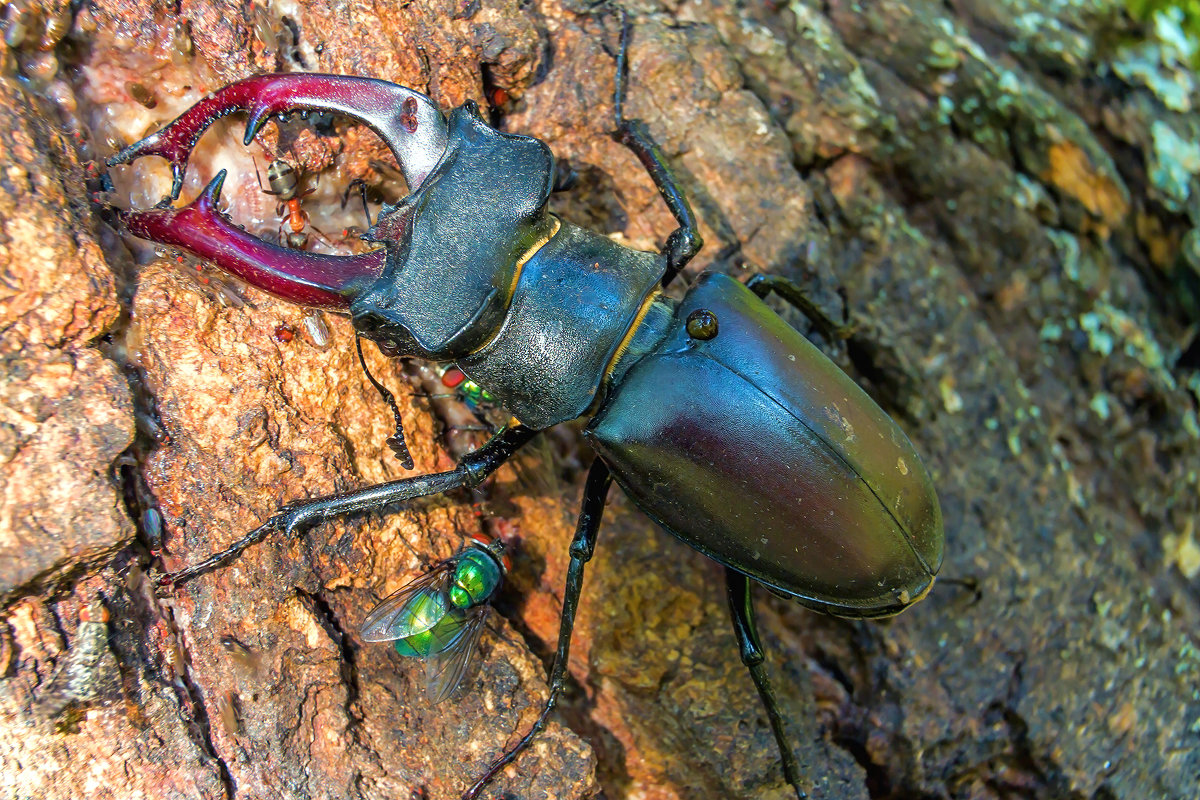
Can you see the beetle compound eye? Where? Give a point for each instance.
(389, 347)
(702, 324)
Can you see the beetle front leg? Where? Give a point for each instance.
(291, 519)
(595, 493)
(685, 241)
(741, 609)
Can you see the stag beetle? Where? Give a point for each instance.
(720, 421)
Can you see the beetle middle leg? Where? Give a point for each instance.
(595, 493)
(470, 471)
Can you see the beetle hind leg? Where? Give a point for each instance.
(741, 608)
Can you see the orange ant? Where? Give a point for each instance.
(284, 181)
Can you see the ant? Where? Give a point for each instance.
(284, 181)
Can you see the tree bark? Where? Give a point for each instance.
(1001, 197)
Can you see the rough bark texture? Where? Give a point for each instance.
(1003, 198)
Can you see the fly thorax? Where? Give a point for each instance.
(476, 577)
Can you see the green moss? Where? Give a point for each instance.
(1176, 160)
(1181, 15)
(1051, 332)
(1101, 404)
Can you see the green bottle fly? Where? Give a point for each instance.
(439, 616)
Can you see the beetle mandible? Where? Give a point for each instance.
(720, 421)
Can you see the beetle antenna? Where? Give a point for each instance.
(396, 440)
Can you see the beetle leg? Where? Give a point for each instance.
(741, 608)
(293, 518)
(595, 492)
(307, 278)
(684, 242)
(407, 121)
(794, 294)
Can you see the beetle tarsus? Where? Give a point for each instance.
(176, 579)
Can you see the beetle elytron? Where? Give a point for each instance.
(721, 422)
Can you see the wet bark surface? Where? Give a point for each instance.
(1001, 197)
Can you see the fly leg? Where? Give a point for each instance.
(795, 295)
(741, 608)
(684, 242)
(595, 492)
(291, 519)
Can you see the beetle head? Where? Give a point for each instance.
(455, 246)
(452, 250)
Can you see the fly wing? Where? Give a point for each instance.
(445, 670)
(414, 608)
